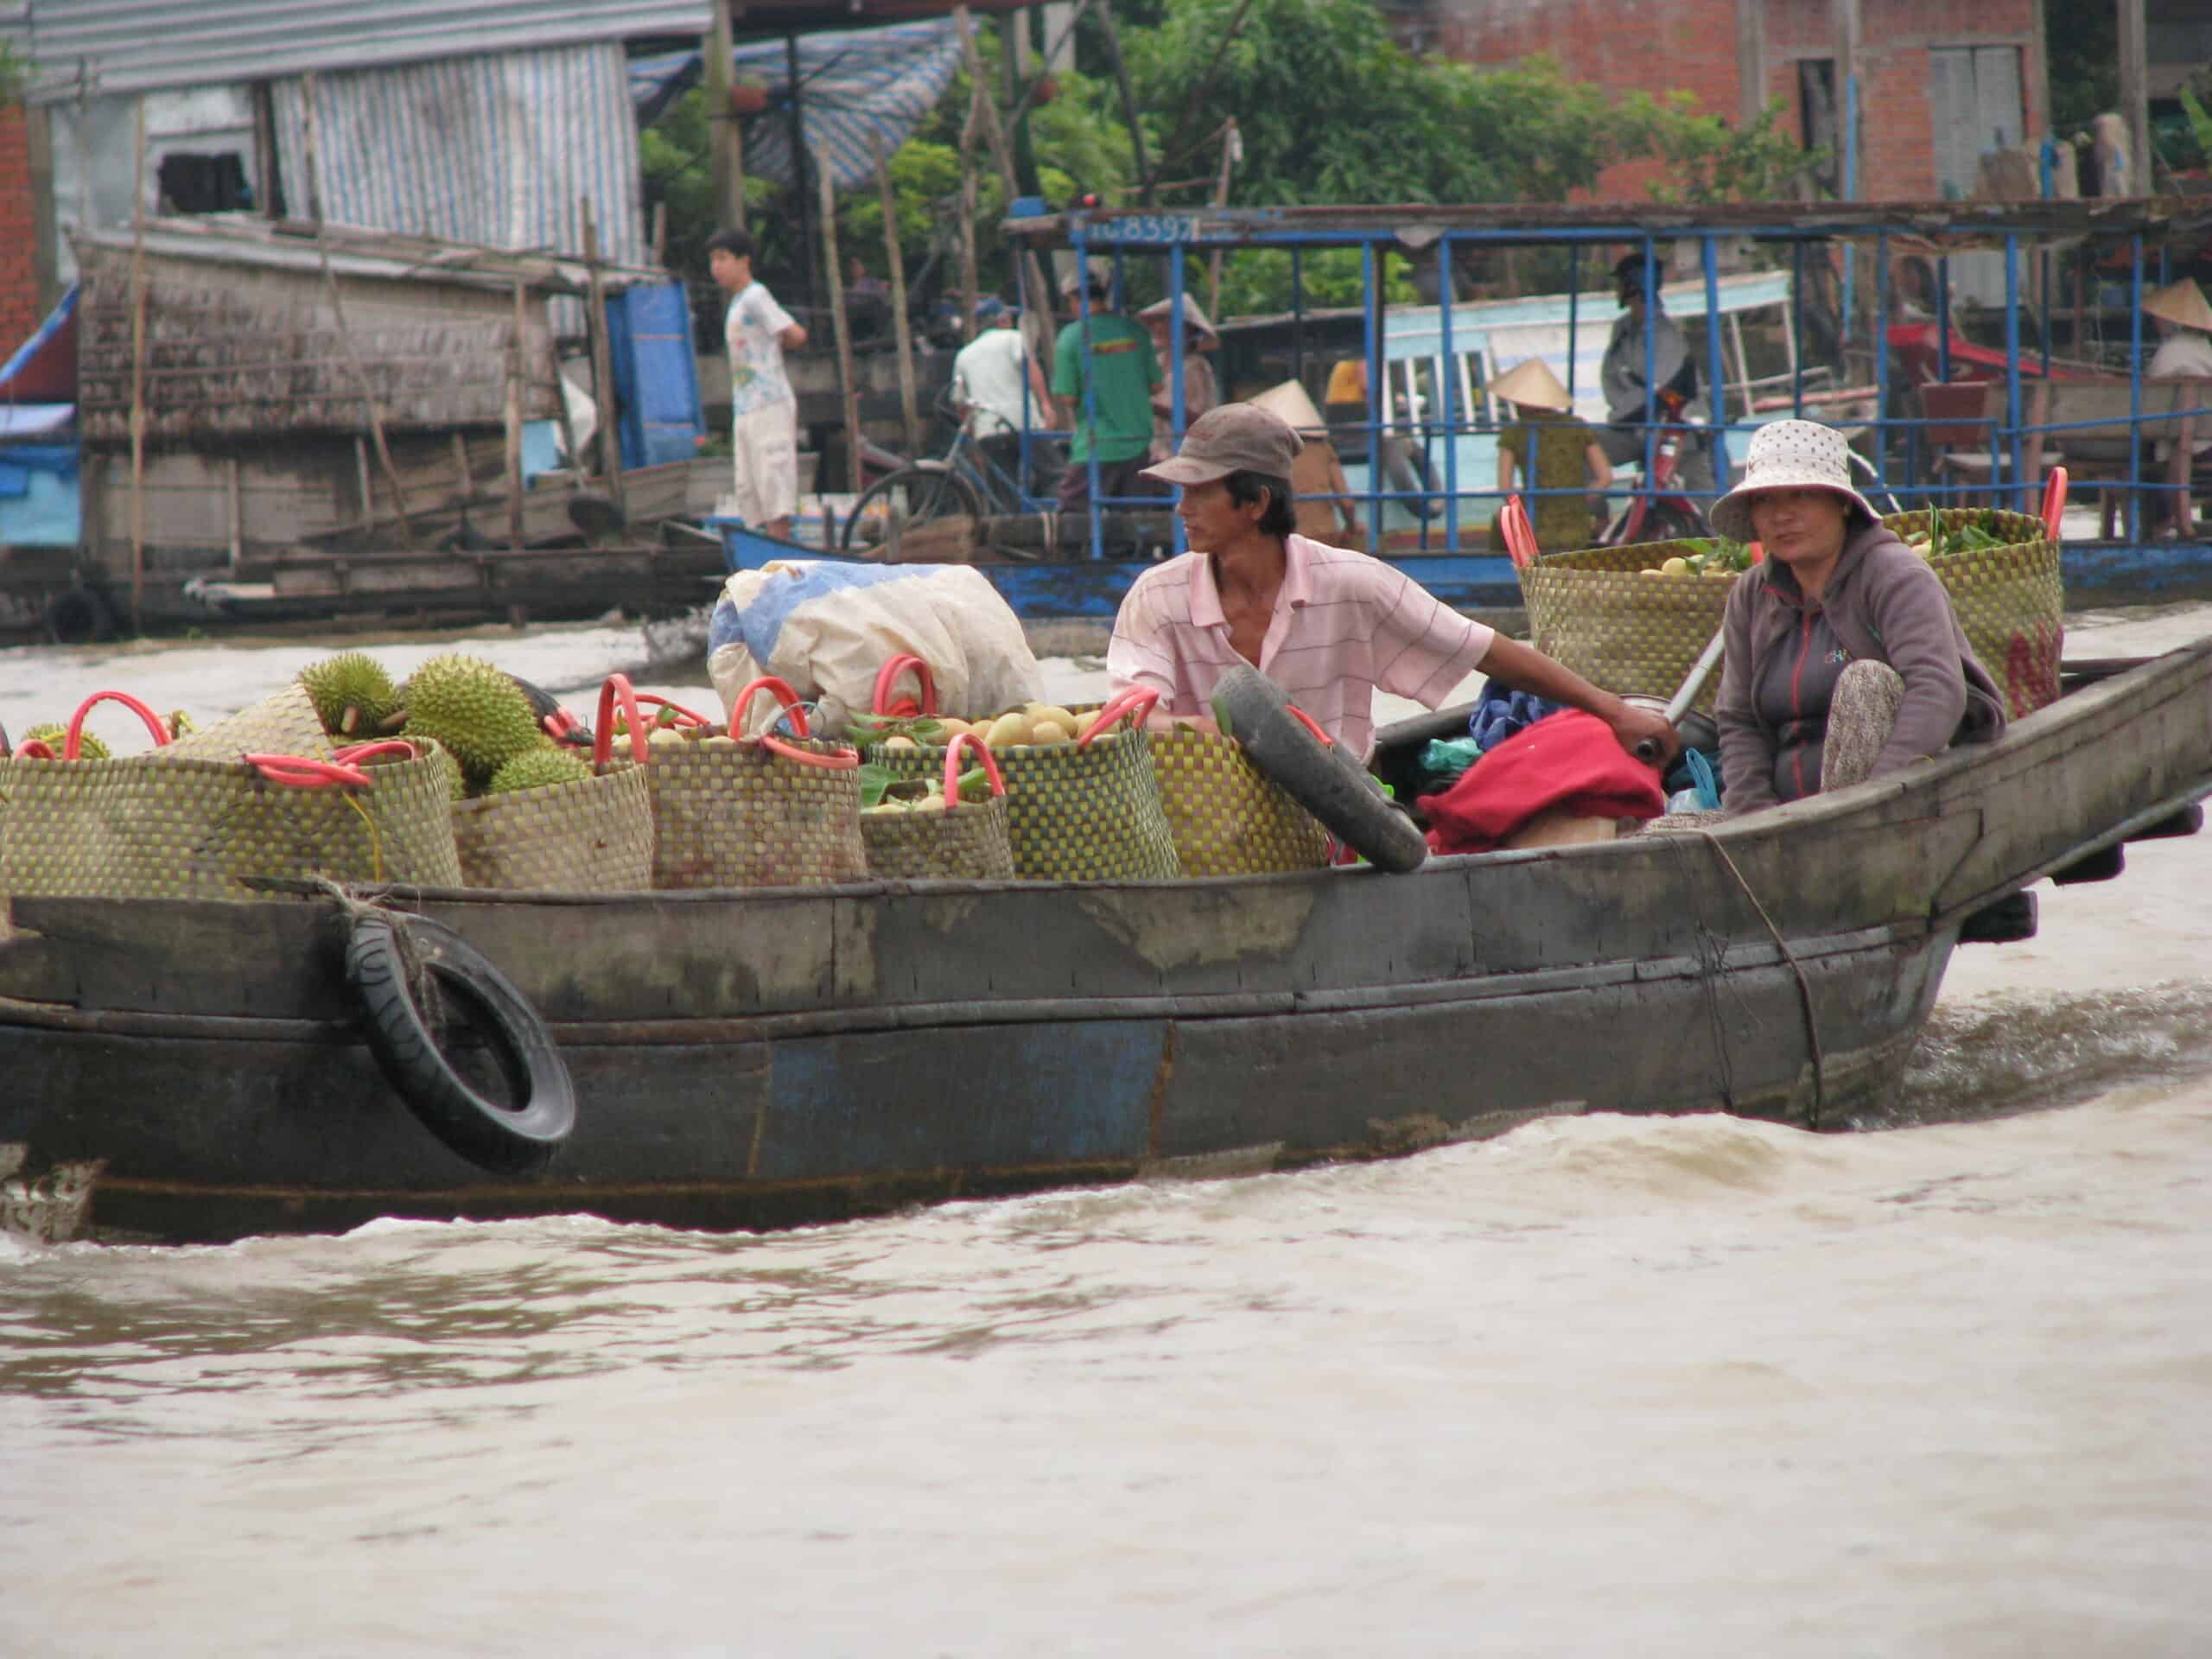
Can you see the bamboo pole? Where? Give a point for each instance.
(1230, 146)
(514, 431)
(237, 512)
(853, 476)
(725, 134)
(909, 411)
(338, 317)
(138, 372)
(1030, 272)
(602, 366)
(968, 280)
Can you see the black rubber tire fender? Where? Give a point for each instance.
(77, 616)
(488, 1135)
(1319, 777)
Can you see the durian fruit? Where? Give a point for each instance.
(456, 781)
(473, 709)
(353, 694)
(536, 768)
(88, 746)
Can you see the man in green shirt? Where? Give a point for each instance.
(1121, 370)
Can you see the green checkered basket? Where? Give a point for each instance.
(1226, 817)
(2009, 599)
(162, 825)
(1082, 812)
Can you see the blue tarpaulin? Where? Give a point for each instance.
(879, 82)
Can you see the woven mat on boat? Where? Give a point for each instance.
(593, 834)
(740, 815)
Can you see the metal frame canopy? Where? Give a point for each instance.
(2144, 225)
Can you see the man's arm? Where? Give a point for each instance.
(792, 338)
(1528, 670)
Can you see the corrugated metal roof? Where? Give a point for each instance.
(93, 47)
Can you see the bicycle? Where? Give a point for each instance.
(963, 481)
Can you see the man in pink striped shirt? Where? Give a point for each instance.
(1329, 626)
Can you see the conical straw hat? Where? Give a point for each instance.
(1533, 386)
(1158, 310)
(2181, 303)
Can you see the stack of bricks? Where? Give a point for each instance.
(19, 312)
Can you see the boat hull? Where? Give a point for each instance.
(754, 1058)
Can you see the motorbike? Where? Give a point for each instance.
(1658, 512)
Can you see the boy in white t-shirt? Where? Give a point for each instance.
(764, 411)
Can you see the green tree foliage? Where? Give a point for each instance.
(2084, 39)
(1257, 281)
(1709, 160)
(1330, 111)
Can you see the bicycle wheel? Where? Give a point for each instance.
(913, 495)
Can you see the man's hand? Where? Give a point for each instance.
(1645, 734)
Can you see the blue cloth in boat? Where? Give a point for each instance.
(1499, 713)
(1569, 759)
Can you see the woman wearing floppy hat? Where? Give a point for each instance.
(1329, 626)
(1559, 455)
(1843, 659)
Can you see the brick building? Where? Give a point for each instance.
(19, 243)
(1940, 81)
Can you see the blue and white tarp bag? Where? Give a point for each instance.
(826, 625)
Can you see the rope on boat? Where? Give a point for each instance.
(1804, 985)
(421, 982)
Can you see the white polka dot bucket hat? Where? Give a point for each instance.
(1788, 455)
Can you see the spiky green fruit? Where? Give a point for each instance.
(353, 694)
(538, 769)
(55, 737)
(475, 710)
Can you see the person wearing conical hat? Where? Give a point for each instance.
(1201, 392)
(2185, 321)
(1842, 659)
(1557, 457)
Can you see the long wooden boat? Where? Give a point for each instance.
(756, 1059)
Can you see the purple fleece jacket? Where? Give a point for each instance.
(1884, 603)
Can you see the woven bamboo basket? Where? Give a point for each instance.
(164, 826)
(1227, 819)
(2010, 599)
(1629, 633)
(959, 841)
(1088, 810)
(593, 834)
(764, 811)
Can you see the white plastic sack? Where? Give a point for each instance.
(826, 625)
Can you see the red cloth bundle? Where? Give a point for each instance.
(1568, 759)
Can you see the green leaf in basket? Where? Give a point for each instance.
(975, 784)
(875, 779)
